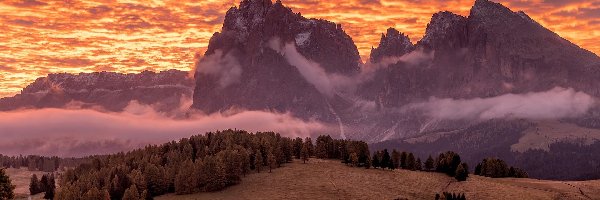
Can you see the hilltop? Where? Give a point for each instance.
(330, 179)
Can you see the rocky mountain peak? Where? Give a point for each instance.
(483, 8)
(393, 43)
(445, 30)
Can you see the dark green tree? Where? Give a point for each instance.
(375, 160)
(403, 158)
(395, 158)
(6, 187)
(429, 163)
(462, 172)
(385, 159)
(34, 185)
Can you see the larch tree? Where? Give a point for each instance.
(34, 185)
(271, 161)
(462, 172)
(6, 187)
(305, 153)
(385, 159)
(375, 160)
(396, 158)
(258, 160)
(429, 163)
(131, 193)
(410, 162)
(403, 159)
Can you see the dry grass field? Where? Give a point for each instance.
(21, 178)
(327, 179)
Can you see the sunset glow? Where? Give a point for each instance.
(40, 37)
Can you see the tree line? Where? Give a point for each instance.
(39, 163)
(46, 184)
(497, 168)
(201, 163)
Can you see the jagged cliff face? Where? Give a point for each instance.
(105, 90)
(491, 52)
(266, 81)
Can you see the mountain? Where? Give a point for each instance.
(494, 83)
(263, 79)
(105, 90)
(494, 53)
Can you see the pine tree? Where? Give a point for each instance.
(311, 147)
(34, 185)
(305, 153)
(477, 169)
(297, 147)
(429, 164)
(403, 158)
(48, 186)
(271, 161)
(185, 182)
(418, 165)
(410, 162)
(131, 193)
(375, 160)
(6, 187)
(354, 159)
(213, 174)
(385, 160)
(258, 160)
(395, 159)
(92, 194)
(462, 172)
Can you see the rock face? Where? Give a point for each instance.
(393, 43)
(494, 51)
(267, 81)
(107, 90)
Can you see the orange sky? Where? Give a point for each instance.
(38, 37)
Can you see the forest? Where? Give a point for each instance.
(214, 161)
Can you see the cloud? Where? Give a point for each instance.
(415, 57)
(66, 132)
(552, 104)
(312, 72)
(226, 67)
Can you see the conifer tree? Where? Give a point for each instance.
(403, 158)
(34, 185)
(131, 193)
(410, 162)
(418, 165)
(375, 160)
(271, 161)
(429, 164)
(462, 172)
(185, 182)
(213, 174)
(298, 147)
(354, 159)
(258, 160)
(305, 152)
(395, 159)
(385, 159)
(6, 187)
(92, 194)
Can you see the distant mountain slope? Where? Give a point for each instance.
(105, 90)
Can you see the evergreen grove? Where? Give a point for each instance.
(216, 160)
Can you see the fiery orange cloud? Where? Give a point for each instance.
(38, 37)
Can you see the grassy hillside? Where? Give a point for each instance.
(328, 179)
(21, 178)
